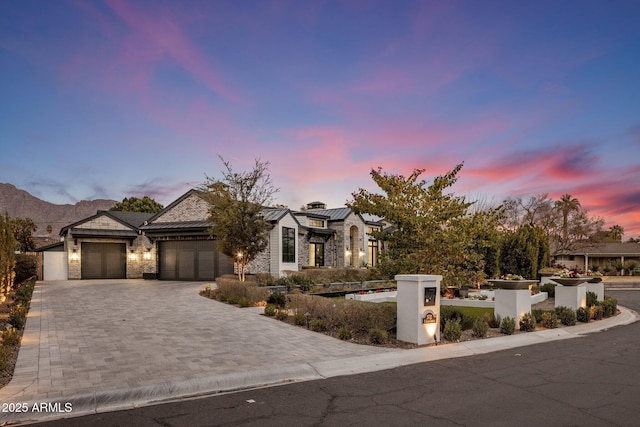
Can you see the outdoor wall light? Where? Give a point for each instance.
(347, 252)
(133, 256)
(361, 253)
(147, 255)
(74, 255)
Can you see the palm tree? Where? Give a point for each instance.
(616, 232)
(566, 204)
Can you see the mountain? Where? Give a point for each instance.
(20, 204)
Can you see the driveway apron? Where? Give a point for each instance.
(93, 340)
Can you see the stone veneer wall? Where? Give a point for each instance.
(343, 239)
(193, 208)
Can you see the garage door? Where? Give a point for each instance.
(192, 260)
(104, 261)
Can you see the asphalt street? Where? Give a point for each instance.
(589, 381)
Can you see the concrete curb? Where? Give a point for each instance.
(113, 400)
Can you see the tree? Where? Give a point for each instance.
(524, 251)
(236, 204)
(134, 204)
(565, 205)
(431, 231)
(23, 229)
(8, 246)
(615, 233)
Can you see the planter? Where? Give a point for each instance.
(596, 279)
(512, 284)
(570, 281)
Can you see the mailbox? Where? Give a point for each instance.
(418, 308)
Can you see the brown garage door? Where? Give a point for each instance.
(104, 261)
(192, 260)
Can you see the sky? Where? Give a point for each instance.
(119, 98)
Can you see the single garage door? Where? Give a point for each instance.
(192, 260)
(104, 261)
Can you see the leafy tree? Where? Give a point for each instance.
(236, 204)
(23, 229)
(432, 232)
(8, 246)
(134, 204)
(524, 251)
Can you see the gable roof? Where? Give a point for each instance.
(132, 220)
(335, 214)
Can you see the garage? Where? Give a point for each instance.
(191, 260)
(104, 260)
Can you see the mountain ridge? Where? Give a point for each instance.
(21, 204)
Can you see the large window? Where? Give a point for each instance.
(316, 223)
(288, 244)
(316, 254)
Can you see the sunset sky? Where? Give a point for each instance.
(115, 98)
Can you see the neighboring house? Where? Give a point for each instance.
(336, 237)
(176, 244)
(588, 256)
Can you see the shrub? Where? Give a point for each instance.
(550, 288)
(5, 352)
(527, 323)
(26, 268)
(358, 316)
(452, 330)
(277, 299)
(480, 328)
(582, 315)
(550, 319)
(18, 316)
(233, 291)
(377, 336)
(454, 313)
(592, 298)
(318, 325)
(299, 319)
(596, 312)
(282, 315)
(491, 320)
(537, 314)
(508, 326)
(566, 315)
(609, 306)
(270, 310)
(24, 293)
(345, 334)
(10, 337)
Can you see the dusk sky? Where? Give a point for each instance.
(115, 98)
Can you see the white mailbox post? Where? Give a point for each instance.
(418, 308)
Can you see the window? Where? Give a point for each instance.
(372, 229)
(288, 244)
(316, 254)
(373, 253)
(316, 222)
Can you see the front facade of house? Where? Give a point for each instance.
(176, 244)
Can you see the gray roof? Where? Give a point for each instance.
(183, 225)
(274, 214)
(135, 219)
(90, 232)
(603, 249)
(336, 214)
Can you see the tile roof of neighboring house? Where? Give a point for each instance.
(602, 249)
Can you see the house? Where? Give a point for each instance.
(176, 244)
(600, 256)
(336, 237)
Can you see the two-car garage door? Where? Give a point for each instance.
(192, 260)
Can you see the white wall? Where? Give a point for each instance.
(54, 265)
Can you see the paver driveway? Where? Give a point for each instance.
(121, 339)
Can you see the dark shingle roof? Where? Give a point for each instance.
(602, 249)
